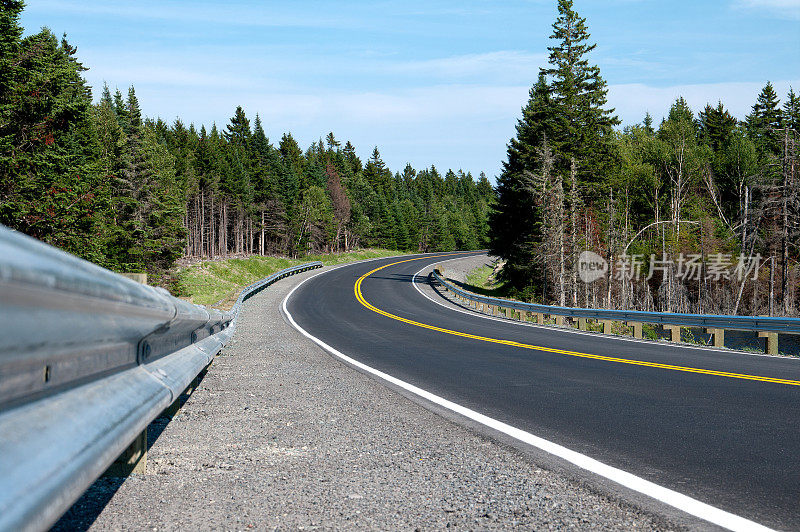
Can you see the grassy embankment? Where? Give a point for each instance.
(483, 281)
(219, 282)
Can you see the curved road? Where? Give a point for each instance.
(732, 442)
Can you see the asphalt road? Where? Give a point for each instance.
(733, 443)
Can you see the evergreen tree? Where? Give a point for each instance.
(352, 159)
(51, 184)
(647, 124)
(514, 221)
(715, 126)
(791, 111)
(763, 121)
(583, 127)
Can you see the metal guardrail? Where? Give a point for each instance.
(710, 321)
(88, 358)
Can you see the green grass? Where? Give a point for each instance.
(220, 281)
(482, 281)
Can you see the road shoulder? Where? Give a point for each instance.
(279, 434)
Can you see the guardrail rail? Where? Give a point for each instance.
(767, 327)
(88, 358)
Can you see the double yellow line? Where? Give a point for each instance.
(370, 306)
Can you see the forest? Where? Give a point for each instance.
(135, 194)
(700, 213)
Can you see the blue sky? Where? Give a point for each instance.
(427, 82)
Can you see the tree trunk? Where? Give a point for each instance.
(574, 224)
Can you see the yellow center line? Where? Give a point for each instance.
(367, 304)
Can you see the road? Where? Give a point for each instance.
(732, 442)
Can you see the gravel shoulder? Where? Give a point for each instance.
(280, 435)
(457, 270)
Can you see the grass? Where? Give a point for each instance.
(482, 281)
(220, 281)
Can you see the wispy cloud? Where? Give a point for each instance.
(782, 8)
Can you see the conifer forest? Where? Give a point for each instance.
(703, 192)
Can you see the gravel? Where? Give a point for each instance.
(457, 270)
(280, 435)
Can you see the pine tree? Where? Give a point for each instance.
(791, 111)
(763, 121)
(647, 124)
(515, 220)
(715, 126)
(134, 113)
(377, 174)
(583, 128)
(51, 183)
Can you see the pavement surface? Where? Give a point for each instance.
(731, 442)
(280, 435)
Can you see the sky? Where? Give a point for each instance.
(429, 82)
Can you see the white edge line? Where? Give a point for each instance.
(565, 330)
(665, 495)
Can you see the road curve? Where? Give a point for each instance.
(721, 435)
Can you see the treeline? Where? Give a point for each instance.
(134, 194)
(697, 214)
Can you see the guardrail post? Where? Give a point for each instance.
(560, 321)
(770, 342)
(606, 326)
(637, 328)
(582, 324)
(674, 332)
(539, 318)
(717, 336)
(133, 460)
(138, 277)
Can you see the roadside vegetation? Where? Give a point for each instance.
(218, 282)
(648, 198)
(484, 281)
